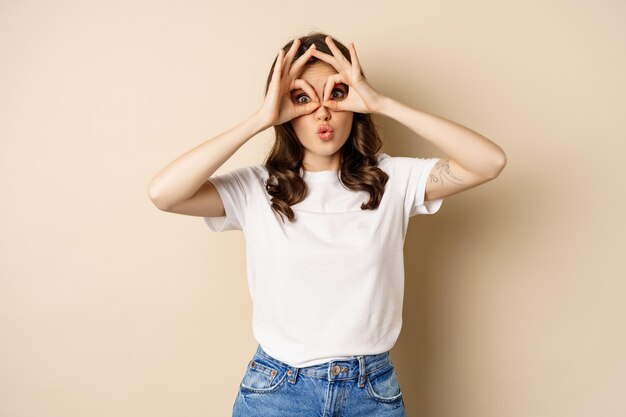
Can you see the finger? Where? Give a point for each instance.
(278, 65)
(306, 87)
(300, 62)
(327, 58)
(307, 108)
(275, 81)
(292, 51)
(332, 104)
(331, 81)
(336, 52)
(354, 57)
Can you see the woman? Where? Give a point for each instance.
(325, 218)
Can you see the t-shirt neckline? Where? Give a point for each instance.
(327, 175)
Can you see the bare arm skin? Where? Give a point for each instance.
(182, 186)
(473, 159)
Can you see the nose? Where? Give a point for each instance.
(322, 113)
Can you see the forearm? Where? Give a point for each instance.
(181, 178)
(471, 150)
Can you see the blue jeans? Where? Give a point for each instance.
(366, 385)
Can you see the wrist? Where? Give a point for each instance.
(384, 103)
(259, 122)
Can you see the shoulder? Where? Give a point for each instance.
(407, 171)
(254, 176)
(404, 163)
(247, 173)
(257, 173)
(383, 157)
(245, 178)
(385, 161)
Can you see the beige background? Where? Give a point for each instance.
(514, 301)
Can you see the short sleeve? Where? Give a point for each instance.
(418, 177)
(231, 187)
(410, 176)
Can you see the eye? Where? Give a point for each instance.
(342, 95)
(301, 96)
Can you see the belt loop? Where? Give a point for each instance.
(292, 373)
(361, 371)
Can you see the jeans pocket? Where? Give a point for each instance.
(383, 386)
(262, 376)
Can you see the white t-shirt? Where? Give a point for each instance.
(331, 284)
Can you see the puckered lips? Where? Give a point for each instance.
(324, 128)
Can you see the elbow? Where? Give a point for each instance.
(495, 167)
(502, 161)
(155, 199)
(498, 166)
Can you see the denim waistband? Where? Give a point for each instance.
(336, 369)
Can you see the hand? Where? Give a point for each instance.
(362, 98)
(278, 107)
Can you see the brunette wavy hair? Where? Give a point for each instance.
(358, 156)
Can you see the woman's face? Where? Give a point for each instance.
(321, 154)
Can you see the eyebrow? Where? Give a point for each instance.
(295, 90)
(299, 89)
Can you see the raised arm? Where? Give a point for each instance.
(472, 158)
(181, 178)
(183, 186)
